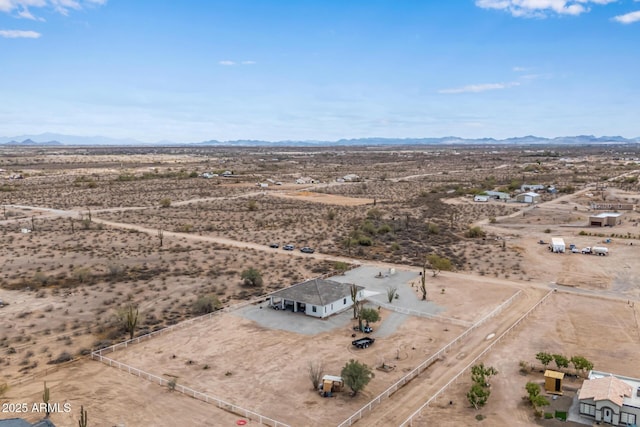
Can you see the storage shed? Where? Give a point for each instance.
(553, 381)
(605, 219)
(557, 245)
(528, 198)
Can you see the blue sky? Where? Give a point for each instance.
(189, 71)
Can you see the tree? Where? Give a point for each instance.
(581, 364)
(206, 304)
(478, 395)
(439, 264)
(480, 374)
(544, 358)
(369, 315)
(561, 361)
(534, 396)
(251, 277)
(316, 371)
(356, 376)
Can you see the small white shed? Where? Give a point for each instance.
(557, 245)
(481, 198)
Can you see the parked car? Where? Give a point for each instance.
(575, 250)
(366, 329)
(274, 245)
(288, 247)
(307, 250)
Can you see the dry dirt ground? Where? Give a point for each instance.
(65, 281)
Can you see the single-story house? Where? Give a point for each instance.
(605, 219)
(316, 297)
(499, 195)
(528, 198)
(532, 187)
(611, 399)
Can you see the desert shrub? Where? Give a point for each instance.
(165, 203)
(206, 304)
(63, 357)
(475, 232)
(251, 277)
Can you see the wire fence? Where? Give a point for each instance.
(417, 313)
(418, 412)
(424, 365)
(163, 382)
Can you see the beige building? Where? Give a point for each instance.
(610, 399)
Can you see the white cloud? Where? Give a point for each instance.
(520, 69)
(19, 34)
(541, 8)
(480, 87)
(22, 8)
(628, 18)
(227, 63)
(248, 62)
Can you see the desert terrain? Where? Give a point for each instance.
(89, 233)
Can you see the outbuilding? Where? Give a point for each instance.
(316, 297)
(557, 245)
(529, 197)
(480, 198)
(605, 219)
(553, 381)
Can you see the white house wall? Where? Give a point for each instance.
(331, 308)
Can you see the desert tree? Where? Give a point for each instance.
(480, 374)
(251, 277)
(369, 315)
(438, 264)
(480, 392)
(356, 376)
(316, 371)
(478, 395)
(581, 364)
(544, 358)
(561, 361)
(535, 398)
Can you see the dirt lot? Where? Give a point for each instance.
(66, 279)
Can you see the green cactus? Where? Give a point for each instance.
(83, 417)
(45, 398)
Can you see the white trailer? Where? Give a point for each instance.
(557, 245)
(599, 250)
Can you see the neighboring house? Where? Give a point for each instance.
(499, 195)
(316, 297)
(528, 198)
(532, 187)
(611, 399)
(351, 177)
(605, 219)
(306, 180)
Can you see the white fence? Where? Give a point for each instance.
(418, 412)
(230, 407)
(418, 313)
(424, 365)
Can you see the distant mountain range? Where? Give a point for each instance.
(52, 139)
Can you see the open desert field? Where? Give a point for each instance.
(90, 233)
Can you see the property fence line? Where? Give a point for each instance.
(412, 312)
(229, 407)
(418, 412)
(424, 365)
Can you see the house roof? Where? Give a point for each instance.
(532, 194)
(606, 388)
(553, 374)
(19, 422)
(316, 292)
(607, 215)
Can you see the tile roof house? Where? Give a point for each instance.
(19, 422)
(316, 297)
(611, 399)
